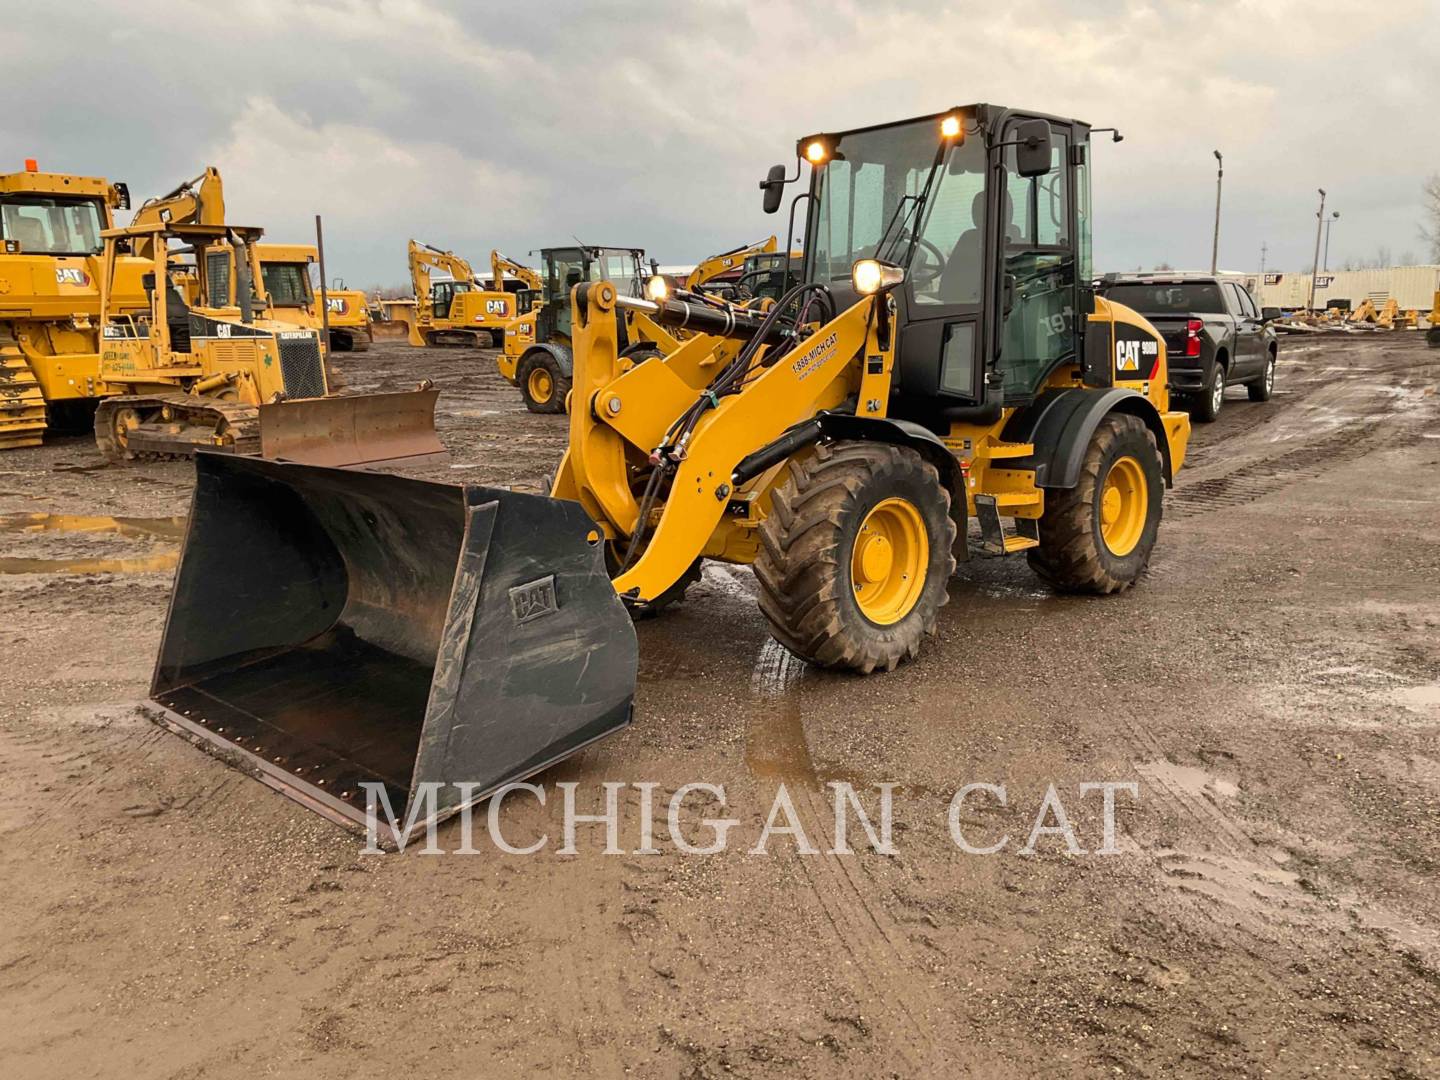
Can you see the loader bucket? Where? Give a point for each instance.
(356, 429)
(335, 626)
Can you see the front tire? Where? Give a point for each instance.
(1097, 537)
(855, 556)
(543, 383)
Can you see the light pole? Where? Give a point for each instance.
(1328, 222)
(1219, 179)
(1315, 266)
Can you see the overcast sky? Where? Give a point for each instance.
(477, 125)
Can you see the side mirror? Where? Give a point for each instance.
(774, 188)
(1032, 151)
(1270, 314)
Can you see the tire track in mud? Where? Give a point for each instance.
(776, 749)
(1391, 406)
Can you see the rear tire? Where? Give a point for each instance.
(1205, 406)
(542, 383)
(1262, 388)
(1432, 337)
(1118, 496)
(856, 528)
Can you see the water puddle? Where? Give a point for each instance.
(164, 556)
(145, 564)
(163, 528)
(1420, 698)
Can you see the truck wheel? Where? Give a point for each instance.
(1097, 536)
(1205, 406)
(1263, 387)
(855, 556)
(542, 384)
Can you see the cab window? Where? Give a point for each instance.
(52, 226)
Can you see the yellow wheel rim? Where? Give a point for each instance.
(1124, 506)
(541, 385)
(889, 560)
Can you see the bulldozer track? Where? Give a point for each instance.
(22, 402)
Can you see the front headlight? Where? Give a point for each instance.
(658, 289)
(870, 276)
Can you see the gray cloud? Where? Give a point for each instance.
(476, 125)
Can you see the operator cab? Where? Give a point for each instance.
(988, 212)
(33, 223)
(566, 267)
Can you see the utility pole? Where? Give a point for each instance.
(1263, 248)
(1328, 222)
(1315, 266)
(1219, 179)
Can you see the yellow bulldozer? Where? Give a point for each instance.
(451, 305)
(50, 248)
(227, 376)
(942, 366)
(285, 270)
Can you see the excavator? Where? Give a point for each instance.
(529, 284)
(177, 378)
(941, 383)
(451, 307)
(50, 247)
(727, 264)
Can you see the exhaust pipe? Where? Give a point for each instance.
(383, 629)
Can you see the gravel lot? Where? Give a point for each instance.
(1272, 688)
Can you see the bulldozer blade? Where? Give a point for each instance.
(332, 627)
(357, 429)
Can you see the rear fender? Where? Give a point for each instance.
(1060, 424)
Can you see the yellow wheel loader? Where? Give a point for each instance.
(178, 378)
(942, 363)
(50, 248)
(1432, 335)
(451, 307)
(537, 355)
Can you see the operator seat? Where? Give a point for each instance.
(30, 233)
(177, 318)
(960, 281)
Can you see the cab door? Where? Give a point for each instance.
(442, 295)
(1247, 360)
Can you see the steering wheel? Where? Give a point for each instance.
(927, 265)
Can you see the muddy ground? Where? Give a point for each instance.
(1273, 688)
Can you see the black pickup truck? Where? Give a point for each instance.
(1215, 334)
